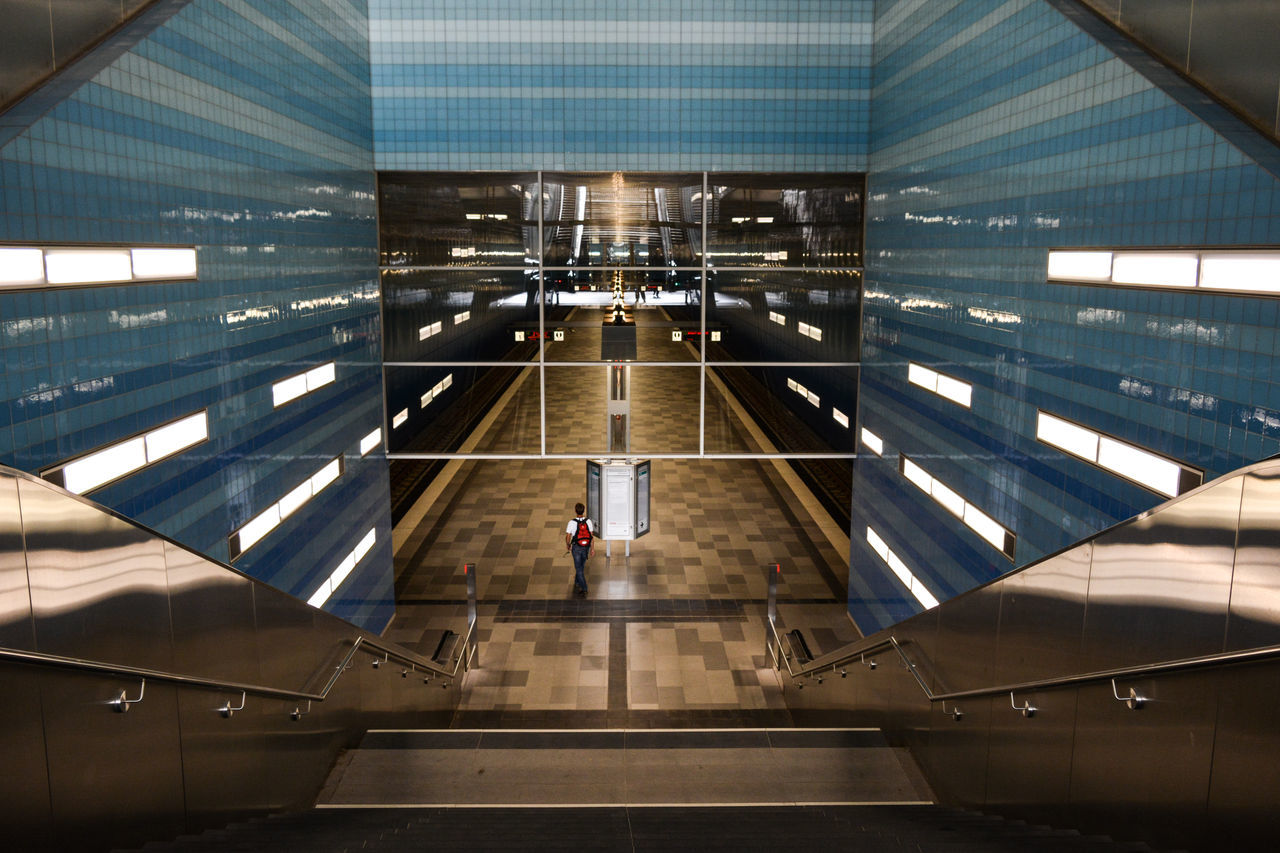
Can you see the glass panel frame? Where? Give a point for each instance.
(551, 335)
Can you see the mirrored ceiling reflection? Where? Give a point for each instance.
(622, 219)
(463, 219)
(784, 220)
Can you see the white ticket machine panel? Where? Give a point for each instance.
(618, 497)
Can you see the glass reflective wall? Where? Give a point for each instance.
(458, 219)
(593, 323)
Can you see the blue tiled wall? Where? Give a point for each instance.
(241, 127)
(630, 85)
(1001, 129)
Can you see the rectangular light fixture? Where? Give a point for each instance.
(1147, 469)
(20, 265)
(336, 578)
(839, 417)
(36, 266)
(1080, 266)
(899, 568)
(370, 441)
(164, 263)
(808, 331)
(998, 536)
(1136, 464)
(1249, 271)
(1256, 272)
(1165, 269)
(941, 384)
(400, 418)
(775, 317)
(93, 470)
(293, 387)
(87, 266)
(873, 442)
(271, 517)
(427, 331)
(461, 317)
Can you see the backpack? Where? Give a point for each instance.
(583, 536)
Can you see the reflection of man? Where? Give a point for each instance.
(579, 538)
(640, 289)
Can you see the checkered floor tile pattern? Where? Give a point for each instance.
(676, 625)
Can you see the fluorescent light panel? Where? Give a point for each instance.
(289, 389)
(840, 417)
(344, 569)
(370, 441)
(1246, 271)
(87, 266)
(400, 418)
(122, 458)
(899, 568)
(941, 384)
(997, 535)
(26, 266)
(873, 442)
(21, 266)
(271, 517)
(1136, 464)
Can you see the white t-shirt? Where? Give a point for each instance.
(572, 527)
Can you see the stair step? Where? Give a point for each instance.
(868, 829)
(624, 767)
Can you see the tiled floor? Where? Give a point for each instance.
(675, 628)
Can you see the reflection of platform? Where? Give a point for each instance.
(618, 340)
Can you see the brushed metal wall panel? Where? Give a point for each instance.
(1159, 586)
(1138, 773)
(214, 632)
(1029, 762)
(1246, 774)
(966, 644)
(1164, 25)
(225, 763)
(1233, 50)
(280, 619)
(26, 45)
(16, 630)
(957, 764)
(1254, 618)
(78, 23)
(1042, 619)
(98, 584)
(111, 776)
(24, 784)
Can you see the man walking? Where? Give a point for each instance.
(580, 540)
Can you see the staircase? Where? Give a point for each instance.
(724, 789)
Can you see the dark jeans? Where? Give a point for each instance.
(579, 566)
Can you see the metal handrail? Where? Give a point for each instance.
(414, 661)
(1134, 700)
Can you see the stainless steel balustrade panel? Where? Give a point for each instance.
(1042, 619)
(98, 584)
(1246, 773)
(1029, 762)
(1145, 771)
(966, 642)
(214, 632)
(1254, 616)
(1159, 586)
(16, 631)
(111, 776)
(957, 762)
(24, 784)
(225, 763)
